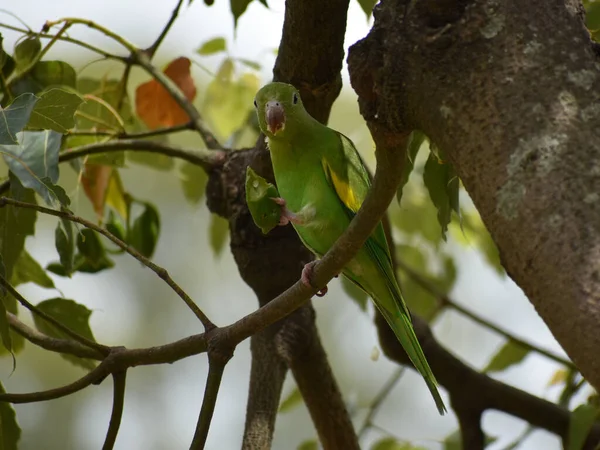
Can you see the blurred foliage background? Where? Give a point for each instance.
(132, 307)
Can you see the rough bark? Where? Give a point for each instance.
(510, 91)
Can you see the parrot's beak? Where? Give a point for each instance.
(275, 116)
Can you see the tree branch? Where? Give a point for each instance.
(100, 372)
(151, 51)
(267, 374)
(217, 360)
(158, 270)
(447, 301)
(119, 379)
(66, 39)
(379, 398)
(48, 318)
(473, 392)
(52, 344)
(203, 158)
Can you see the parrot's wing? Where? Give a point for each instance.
(348, 176)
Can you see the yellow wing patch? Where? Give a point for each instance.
(342, 188)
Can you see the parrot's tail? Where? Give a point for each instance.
(402, 327)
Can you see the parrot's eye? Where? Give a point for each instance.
(295, 98)
(255, 104)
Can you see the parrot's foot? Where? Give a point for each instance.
(286, 215)
(307, 275)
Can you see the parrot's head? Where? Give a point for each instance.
(277, 106)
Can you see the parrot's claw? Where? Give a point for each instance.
(306, 277)
(286, 215)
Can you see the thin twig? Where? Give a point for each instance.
(151, 51)
(446, 301)
(141, 135)
(379, 398)
(91, 24)
(123, 85)
(48, 318)
(119, 379)
(211, 391)
(142, 59)
(66, 39)
(160, 271)
(92, 377)
(65, 346)
(200, 157)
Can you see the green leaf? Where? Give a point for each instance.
(415, 141)
(27, 50)
(293, 399)
(56, 192)
(259, 192)
(55, 110)
(28, 269)
(10, 432)
(115, 226)
(219, 230)
(228, 100)
(65, 245)
(74, 316)
(7, 63)
(92, 255)
(238, 7)
(15, 225)
(89, 245)
(582, 420)
(249, 63)
(309, 444)
(474, 232)
(389, 443)
(145, 231)
(45, 74)
(193, 181)
(417, 216)
(212, 46)
(592, 18)
(96, 115)
(14, 117)
(35, 158)
(359, 296)
(367, 6)
(454, 441)
(510, 354)
(419, 300)
(442, 183)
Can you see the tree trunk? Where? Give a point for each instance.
(510, 91)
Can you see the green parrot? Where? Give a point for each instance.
(322, 183)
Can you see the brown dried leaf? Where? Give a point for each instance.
(155, 106)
